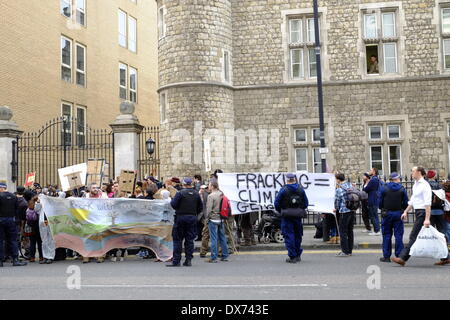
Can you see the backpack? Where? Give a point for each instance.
(225, 208)
(352, 198)
(437, 203)
(31, 216)
(294, 198)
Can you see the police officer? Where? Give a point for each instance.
(394, 199)
(291, 202)
(187, 205)
(8, 230)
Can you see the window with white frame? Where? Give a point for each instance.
(385, 147)
(123, 81)
(132, 34)
(66, 59)
(381, 41)
(445, 35)
(81, 12)
(161, 22)
(301, 44)
(226, 65)
(306, 143)
(163, 106)
(66, 8)
(122, 28)
(133, 84)
(81, 126)
(66, 134)
(301, 159)
(81, 65)
(376, 158)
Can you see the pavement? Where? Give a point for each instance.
(246, 276)
(362, 240)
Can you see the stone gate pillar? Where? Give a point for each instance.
(126, 130)
(9, 131)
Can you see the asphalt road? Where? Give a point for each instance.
(252, 275)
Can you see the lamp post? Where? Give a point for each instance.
(150, 146)
(323, 149)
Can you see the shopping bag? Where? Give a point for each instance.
(430, 243)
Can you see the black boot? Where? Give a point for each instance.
(17, 263)
(187, 263)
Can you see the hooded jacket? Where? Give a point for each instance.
(372, 190)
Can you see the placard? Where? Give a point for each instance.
(127, 181)
(64, 174)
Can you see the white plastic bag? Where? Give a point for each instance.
(430, 243)
(48, 244)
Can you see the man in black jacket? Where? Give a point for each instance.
(187, 204)
(8, 231)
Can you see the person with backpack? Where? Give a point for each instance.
(394, 199)
(215, 220)
(347, 201)
(291, 202)
(373, 190)
(187, 205)
(437, 218)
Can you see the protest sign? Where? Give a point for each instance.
(95, 169)
(69, 176)
(250, 192)
(92, 227)
(29, 179)
(127, 181)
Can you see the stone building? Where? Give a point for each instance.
(78, 58)
(248, 67)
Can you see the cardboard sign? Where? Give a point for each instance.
(95, 171)
(74, 180)
(30, 178)
(105, 179)
(127, 181)
(65, 174)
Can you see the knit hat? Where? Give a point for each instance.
(431, 174)
(366, 175)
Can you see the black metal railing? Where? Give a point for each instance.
(60, 143)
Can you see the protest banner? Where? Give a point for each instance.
(29, 179)
(73, 177)
(92, 227)
(251, 192)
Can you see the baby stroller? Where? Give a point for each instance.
(269, 228)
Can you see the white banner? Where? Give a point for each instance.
(250, 192)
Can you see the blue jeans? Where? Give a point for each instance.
(373, 215)
(292, 229)
(448, 231)
(8, 233)
(392, 223)
(217, 232)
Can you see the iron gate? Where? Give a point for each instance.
(60, 143)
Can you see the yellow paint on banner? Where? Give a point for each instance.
(81, 215)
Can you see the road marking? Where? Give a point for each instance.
(203, 286)
(242, 253)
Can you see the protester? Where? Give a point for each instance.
(187, 204)
(372, 189)
(394, 199)
(215, 223)
(292, 202)
(247, 221)
(347, 216)
(365, 206)
(8, 230)
(95, 192)
(437, 218)
(421, 203)
(197, 182)
(202, 218)
(109, 190)
(32, 218)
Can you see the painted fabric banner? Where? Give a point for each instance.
(92, 227)
(250, 192)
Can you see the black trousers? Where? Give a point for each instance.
(365, 214)
(418, 224)
(184, 228)
(346, 231)
(440, 223)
